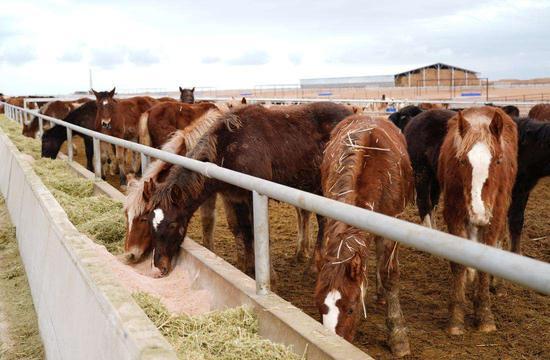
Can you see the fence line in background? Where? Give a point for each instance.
(528, 272)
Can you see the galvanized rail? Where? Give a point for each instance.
(518, 269)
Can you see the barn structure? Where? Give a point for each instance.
(438, 74)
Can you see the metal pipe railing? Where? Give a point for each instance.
(518, 269)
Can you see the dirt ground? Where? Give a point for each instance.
(522, 316)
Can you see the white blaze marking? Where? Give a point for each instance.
(480, 159)
(130, 218)
(105, 102)
(330, 319)
(159, 216)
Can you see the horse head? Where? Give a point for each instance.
(187, 95)
(479, 156)
(339, 293)
(105, 107)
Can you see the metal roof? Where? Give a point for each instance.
(442, 65)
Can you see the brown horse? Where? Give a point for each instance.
(540, 112)
(56, 109)
(477, 168)
(120, 118)
(282, 145)
(157, 124)
(366, 165)
(138, 236)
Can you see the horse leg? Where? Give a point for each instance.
(380, 248)
(208, 220)
(516, 216)
(121, 165)
(389, 277)
(435, 191)
(482, 295)
(422, 182)
(458, 299)
(240, 224)
(317, 252)
(89, 147)
(304, 242)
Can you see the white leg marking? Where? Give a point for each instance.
(473, 232)
(330, 319)
(427, 221)
(159, 216)
(480, 159)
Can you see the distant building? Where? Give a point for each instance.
(438, 74)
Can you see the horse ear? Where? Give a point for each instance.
(193, 89)
(112, 92)
(463, 125)
(94, 92)
(496, 124)
(355, 267)
(243, 100)
(148, 189)
(181, 90)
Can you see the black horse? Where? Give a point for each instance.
(53, 138)
(425, 133)
(533, 164)
(402, 117)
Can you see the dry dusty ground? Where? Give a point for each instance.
(522, 316)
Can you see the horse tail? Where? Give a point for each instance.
(144, 136)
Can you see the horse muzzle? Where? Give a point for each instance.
(106, 124)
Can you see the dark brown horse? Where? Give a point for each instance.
(366, 165)
(540, 112)
(282, 145)
(120, 118)
(477, 169)
(533, 164)
(157, 124)
(138, 235)
(56, 109)
(187, 96)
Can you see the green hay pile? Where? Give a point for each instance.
(16, 304)
(99, 217)
(229, 334)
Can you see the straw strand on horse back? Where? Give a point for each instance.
(138, 236)
(282, 145)
(366, 165)
(477, 169)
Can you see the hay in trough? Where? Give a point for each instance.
(19, 335)
(228, 334)
(99, 217)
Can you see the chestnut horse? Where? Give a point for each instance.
(56, 109)
(366, 165)
(138, 236)
(120, 118)
(158, 123)
(477, 169)
(282, 145)
(540, 112)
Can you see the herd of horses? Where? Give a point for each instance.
(483, 160)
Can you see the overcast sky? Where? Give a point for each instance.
(48, 46)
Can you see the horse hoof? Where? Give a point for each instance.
(401, 349)
(487, 327)
(456, 330)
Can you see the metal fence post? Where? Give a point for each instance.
(97, 158)
(144, 162)
(261, 243)
(69, 143)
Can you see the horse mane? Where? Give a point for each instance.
(478, 132)
(190, 183)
